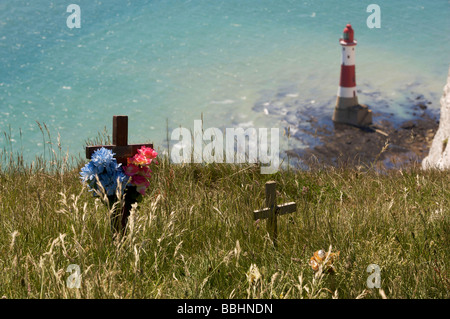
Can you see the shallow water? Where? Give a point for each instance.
(177, 60)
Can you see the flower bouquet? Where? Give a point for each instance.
(324, 260)
(116, 184)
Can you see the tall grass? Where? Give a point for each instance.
(193, 235)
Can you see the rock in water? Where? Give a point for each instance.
(439, 155)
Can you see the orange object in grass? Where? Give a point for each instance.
(322, 258)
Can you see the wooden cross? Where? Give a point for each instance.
(273, 210)
(120, 141)
(123, 151)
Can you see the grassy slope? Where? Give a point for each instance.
(193, 236)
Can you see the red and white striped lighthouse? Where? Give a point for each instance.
(348, 110)
(347, 85)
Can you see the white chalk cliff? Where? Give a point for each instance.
(439, 155)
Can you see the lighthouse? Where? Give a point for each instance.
(348, 110)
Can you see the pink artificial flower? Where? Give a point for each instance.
(138, 168)
(139, 159)
(141, 183)
(131, 170)
(139, 180)
(145, 171)
(148, 152)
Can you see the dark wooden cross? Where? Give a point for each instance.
(120, 141)
(123, 151)
(273, 210)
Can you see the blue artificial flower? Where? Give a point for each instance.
(104, 165)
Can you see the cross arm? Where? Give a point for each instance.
(279, 210)
(121, 151)
(286, 208)
(261, 214)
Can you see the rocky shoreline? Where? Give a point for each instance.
(384, 143)
(394, 140)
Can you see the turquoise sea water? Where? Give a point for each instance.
(174, 60)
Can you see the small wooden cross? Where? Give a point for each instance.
(120, 141)
(123, 151)
(273, 210)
